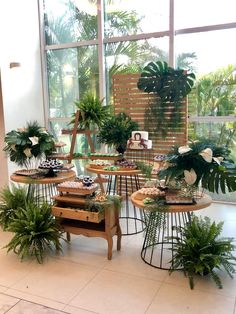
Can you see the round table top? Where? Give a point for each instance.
(128, 172)
(201, 203)
(61, 177)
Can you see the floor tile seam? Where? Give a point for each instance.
(234, 311)
(33, 295)
(153, 298)
(60, 259)
(13, 306)
(134, 275)
(82, 288)
(200, 290)
(81, 308)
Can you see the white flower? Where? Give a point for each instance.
(184, 149)
(34, 140)
(206, 154)
(190, 177)
(13, 147)
(27, 152)
(218, 160)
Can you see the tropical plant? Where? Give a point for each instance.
(92, 112)
(168, 85)
(145, 168)
(36, 231)
(198, 249)
(201, 162)
(116, 131)
(11, 199)
(29, 143)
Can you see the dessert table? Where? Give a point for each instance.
(43, 188)
(124, 182)
(157, 249)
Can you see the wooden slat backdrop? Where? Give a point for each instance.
(129, 99)
(134, 102)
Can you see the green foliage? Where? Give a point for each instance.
(24, 144)
(98, 206)
(199, 250)
(11, 200)
(145, 169)
(213, 176)
(169, 84)
(35, 231)
(92, 111)
(116, 130)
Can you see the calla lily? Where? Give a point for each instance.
(13, 147)
(34, 140)
(27, 152)
(218, 160)
(184, 149)
(207, 154)
(190, 177)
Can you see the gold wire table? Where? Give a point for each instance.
(157, 249)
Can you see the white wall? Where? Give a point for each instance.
(21, 86)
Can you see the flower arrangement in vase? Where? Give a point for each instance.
(29, 144)
(201, 163)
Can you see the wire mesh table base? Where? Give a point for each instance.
(132, 219)
(42, 193)
(157, 249)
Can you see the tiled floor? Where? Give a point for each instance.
(83, 281)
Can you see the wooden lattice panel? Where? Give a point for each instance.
(137, 104)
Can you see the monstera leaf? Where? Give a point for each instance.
(170, 84)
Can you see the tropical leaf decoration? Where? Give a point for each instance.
(32, 141)
(203, 160)
(199, 249)
(169, 84)
(92, 112)
(36, 232)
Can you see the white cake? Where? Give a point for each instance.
(139, 140)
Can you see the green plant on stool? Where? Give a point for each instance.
(92, 112)
(36, 232)
(116, 131)
(199, 250)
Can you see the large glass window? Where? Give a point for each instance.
(88, 41)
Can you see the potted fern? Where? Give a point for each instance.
(35, 231)
(199, 250)
(92, 112)
(116, 130)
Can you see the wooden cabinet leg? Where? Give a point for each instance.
(118, 238)
(110, 246)
(68, 238)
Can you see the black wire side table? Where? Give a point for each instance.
(125, 183)
(157, 249)
(43, 189)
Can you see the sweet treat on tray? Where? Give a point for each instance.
(50, 164)
(149, 192)
(124, 163)
(139, 140)
(160, 157)
(100, 164)
(75, 185)
(88, 181)
(104, 154)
